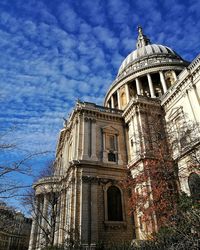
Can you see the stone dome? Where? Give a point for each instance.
(147, 50)
(150, 71)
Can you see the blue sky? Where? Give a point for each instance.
(57, 51)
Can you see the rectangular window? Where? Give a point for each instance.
(111, 157)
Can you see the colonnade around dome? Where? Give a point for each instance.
(152, 85)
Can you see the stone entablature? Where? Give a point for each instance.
(46, 180)
(185, 81)
(47, 185)
(143, 104)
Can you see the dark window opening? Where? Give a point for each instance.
(114, 204)
(194, 185)
(131, 142)
(111, 157)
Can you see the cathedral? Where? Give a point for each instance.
(85, 201)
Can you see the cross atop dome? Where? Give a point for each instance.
(142, 40)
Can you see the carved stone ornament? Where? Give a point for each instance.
(93, 179)
(89, 179)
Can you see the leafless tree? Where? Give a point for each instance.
(47, 207)
(15, 164)
(161, 146)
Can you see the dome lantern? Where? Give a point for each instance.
(142, 40)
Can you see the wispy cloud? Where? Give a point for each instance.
(54, 52)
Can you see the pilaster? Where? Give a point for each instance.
(85, 137)
(93, 146)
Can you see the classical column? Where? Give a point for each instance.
(138, 86)
(85, 137)
(93, 155)
(85, 211)
(127, 93)
(94, 212)
(78, 137)
(79, 144)
(44, 219)
(33, 235)
(68, 210)
(135, 134)
(57, 219)
(74, 192)
(150, 86)
(118, 100)
(112, 102)
(141, 133)
(105, 155)
(162, 79)
(39, 230)
(62, 217)
(74, 142)
(119, 158)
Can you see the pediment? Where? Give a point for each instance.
(110, 130)
(175, 112)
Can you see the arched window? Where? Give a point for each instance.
(114, 204)
(194, 185)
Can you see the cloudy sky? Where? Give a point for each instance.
(54, 52)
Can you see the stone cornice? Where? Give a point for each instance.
(99, 180)
(142, 103)
(142, 157)
(97, 164)
(188, 150)
(51, 180)
(184, 82)
(91, 110)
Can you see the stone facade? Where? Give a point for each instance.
(99, 145)
(14, 229)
